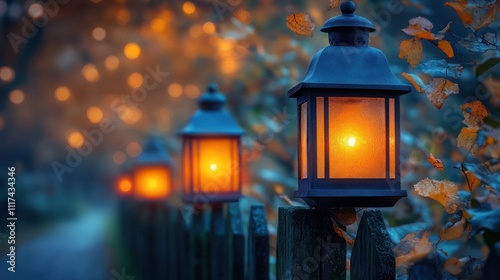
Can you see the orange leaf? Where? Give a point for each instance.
(445, 46)
(411, 50)
(444, 192)
(472, 181)
(300, 24)
(437, 163)
(474, 113)
(420, 27)
(415, 80)
(463, 12)
(333, 4)
(438, 90)
(340, 232)
(417, 248)
(477, 16)
(467, 139)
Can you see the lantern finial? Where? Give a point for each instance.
(348, 7)
(212, 100)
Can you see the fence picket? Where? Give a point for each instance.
(258, 244)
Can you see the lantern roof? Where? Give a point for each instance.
(349, 63)
(211, 119)
(154, 152)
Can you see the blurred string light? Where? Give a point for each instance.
(75, 139)
(119, 157)
(111, 63)
(135, 80)
(62, 93)
(99, 33)
(90, 73)
(209, 27)
(133, 149)
(192, 91)
(188, 7)
(6, 74)
(94, 114)
(158, 25)
(35, 10)
(195, 31)
(123, 16)
(16, 96)
(243, 16)
(174, 90)
(130, 115)
(132, 50)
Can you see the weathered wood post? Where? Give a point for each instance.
(217, 242)
(182, 245)
(372, 256)
(258, 244)
(235, 243)
(198, 245)
(308, 247)
(491, 269)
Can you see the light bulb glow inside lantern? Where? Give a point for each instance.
(351, 141)
(213, 166)
(152, 182)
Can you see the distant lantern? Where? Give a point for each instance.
(152, 171)
(211, 152)
(348, 106)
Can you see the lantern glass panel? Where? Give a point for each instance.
(152, 182)
(320, 137)
(303, 141)
(357, 137)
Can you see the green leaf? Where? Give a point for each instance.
(487, 65)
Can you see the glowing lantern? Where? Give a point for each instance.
(152, 171)
(348, 107)
(211, 152)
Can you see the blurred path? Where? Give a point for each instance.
(73, 250)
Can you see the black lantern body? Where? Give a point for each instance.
(348, 106)
(211, 152)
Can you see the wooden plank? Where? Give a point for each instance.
(258, 244)
(198, 246)
(308, 247)
(181, 240)
(372, 256)
(217, 243)
(235, 242)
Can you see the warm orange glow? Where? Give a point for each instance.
(209, 27)
(357, 146)
(6, 74)
(132, 50)
(94, 114)
(124, 185)
(90, 73)
(111, 63)
(213, 166)
(99, 33)
(192, 91)
(16, 96)
(135, 80)
(195, 31)
(320, 137)
(123, 16)
(134, 149)
(75, 139)
(152, 182)
(303, 141)
(188, 7)
(62, 93)
(158, 25)
(392, 139)
(131, 115)
(119, 158)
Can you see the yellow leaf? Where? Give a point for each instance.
(333, 4)
(415, 80)
(467, 139)
(411, 50)
(300, 24)
(444, 192)
(437, 163)
(454, 232)
(439, 89)
(474, 113)
(417, 248)
(445, 46)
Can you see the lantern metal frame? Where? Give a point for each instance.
(210, 121)
(348, 68)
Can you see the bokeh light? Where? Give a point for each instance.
(62, 93)
(99, 33)
(158, 25)
(131, 115)
(6, 74)
(111, 63)
(209, 27)
(188, 7)
(135, 80)
(175, 90)
(132, 50)
(124, 184)
(133, 149)
(123, 16)
(90, 73)
(94, 114)
(75, 139)
(35, 10)
(119, 157)
(195, 31)
(16, 96)
(192, 91)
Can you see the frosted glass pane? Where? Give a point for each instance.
(320, 136)
(392, 139)
(303, 141)
(357, 147)
(152, 182)
(186, 165)
(215, 165)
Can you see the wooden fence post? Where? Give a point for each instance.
(181, 239)
(491, 270)
(258, 244)
(308, 247)
(217, 242)
(235, 243)
(198, 245)
(372, 256)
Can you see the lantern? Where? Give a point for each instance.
(348, 106)
(211, 152)
(152, 171)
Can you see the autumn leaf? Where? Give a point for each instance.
(480, 43)
(445, 46)
(477, 16)
(415, 80)
(452, 231)
(463, 12)
(420, 27)
(437, 163)
(333, 4)
(300, 24)
(345, 216)
(474, 113)
(472, 181)
(340, 232)
(412, 249)
(454, 265)
(467, 139)
(411, 50)
(440, 67)
(444, 192)
(438, 90)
